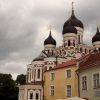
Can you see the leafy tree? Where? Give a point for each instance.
(21, 79)
(8, 88)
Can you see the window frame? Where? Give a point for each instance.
(52, 90)
(38, 73)
(84, 82)
(31, 95)
(37, 95)
(97, 80)
(67, 93)
(52, 76)
(67, 76)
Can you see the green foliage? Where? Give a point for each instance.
(8, 88)
(21, 79)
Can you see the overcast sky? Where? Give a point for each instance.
(24, 25)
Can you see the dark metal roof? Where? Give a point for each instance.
(73, 21)
(69, 29)
(50, 40)
(97, 36)
(40, 58)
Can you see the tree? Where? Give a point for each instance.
(8, 88)
(21, 79)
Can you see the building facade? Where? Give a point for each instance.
(38, 72)
(89, 77)
(61, 82)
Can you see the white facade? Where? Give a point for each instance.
(90, 91)
(31, 92)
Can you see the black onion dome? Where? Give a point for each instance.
(50, 40)
(97, 36)
(69, 29)
(73, 21)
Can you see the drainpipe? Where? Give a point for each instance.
(56, 61)
(78, 85)
(43, 81)
(77, 73)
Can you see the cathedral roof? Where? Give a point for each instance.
(69, 29)
(50, 40)
(97, 36)
(73, 21)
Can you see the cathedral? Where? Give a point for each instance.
(42, 83)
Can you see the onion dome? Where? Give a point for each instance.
(50, 40)
(69, 29)
(73, 21)
(97, 36)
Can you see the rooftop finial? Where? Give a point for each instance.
(97, 27)
(72, 7)
(50, 29)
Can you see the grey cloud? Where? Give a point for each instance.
(24, 26)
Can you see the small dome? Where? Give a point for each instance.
(50, 40)
(69, 29)
(97, 36)
(73, 21)
(40, 58)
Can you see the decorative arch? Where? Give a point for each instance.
(30, 94)
(37, 95)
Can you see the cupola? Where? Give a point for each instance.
(69, 29)
(50, 40)
(73, 21)
(96, 37)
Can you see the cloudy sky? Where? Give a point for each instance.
(24, 24)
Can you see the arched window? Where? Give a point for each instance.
(50, 67)
(30, 74)
(52, 52)
(74, 43)
(85, 51)
(37, 96)
(48, 51)
(79, 39)
(31, 95)
(89, 51)
(38, 73)
(99, 49)
(81, 50)
(68, 42)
